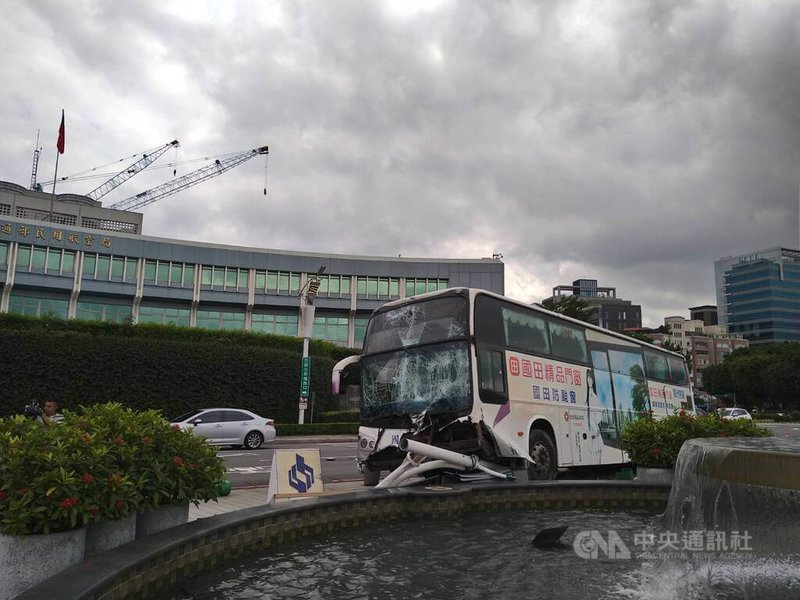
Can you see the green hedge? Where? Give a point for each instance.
(171, 369)
(657, 442)
(172, 332)
(339, 416)
(284, 429)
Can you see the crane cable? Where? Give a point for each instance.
(266, 162)
(90, 173)
(83, 175)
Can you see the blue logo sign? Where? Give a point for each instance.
(301, 476)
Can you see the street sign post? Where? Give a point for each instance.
(305, 377)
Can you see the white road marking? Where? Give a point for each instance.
(249, 469)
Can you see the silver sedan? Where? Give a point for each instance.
(228, 427)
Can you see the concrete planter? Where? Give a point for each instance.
(106, 535)
(163, 517)
(654, 475)
(26, 560)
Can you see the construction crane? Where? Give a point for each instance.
(34, 170)
(181, 183)
(130, 171)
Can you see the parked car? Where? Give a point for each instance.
(735, 413)
(228, 427)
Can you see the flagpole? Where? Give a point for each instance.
(59, 150)
(53, 196)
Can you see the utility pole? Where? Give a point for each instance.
(307, 296)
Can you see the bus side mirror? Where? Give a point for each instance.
(338, 369)
(336, 382)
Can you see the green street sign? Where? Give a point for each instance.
(305, 377)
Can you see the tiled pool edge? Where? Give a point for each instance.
(148, 567)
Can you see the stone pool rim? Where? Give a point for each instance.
(150, 566)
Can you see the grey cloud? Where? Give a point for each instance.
(637, 142)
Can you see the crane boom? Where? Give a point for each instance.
(193, 178)
(130, 171)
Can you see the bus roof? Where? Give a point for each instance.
(473, 292)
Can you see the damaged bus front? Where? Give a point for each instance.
(415, 380)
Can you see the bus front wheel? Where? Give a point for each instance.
(543, 452)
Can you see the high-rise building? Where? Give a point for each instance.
(758, 295)
(608, 311)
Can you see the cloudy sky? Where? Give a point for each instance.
(631, 142)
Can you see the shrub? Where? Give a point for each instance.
(100, 464)
(284, 429)
(656, 443)
(339, 416)
(173, 374)
(167, 465)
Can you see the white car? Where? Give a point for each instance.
(730, 414)
(228, 427)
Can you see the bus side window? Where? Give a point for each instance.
(677, 370)
(492, 376)
(656, 365)
(568, 342)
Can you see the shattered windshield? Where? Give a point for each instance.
(434, 378)
(425, 322)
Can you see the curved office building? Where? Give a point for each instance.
(68, 256)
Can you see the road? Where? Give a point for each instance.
(250, 468)
(788, 431)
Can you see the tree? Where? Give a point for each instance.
(761, 375)
(570, 306)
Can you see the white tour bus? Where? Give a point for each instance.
(504, 382)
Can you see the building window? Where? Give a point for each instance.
(3, 253)
(334, 286)
(164, 315)
(332, 329)
(38, 307)
(277, 282)
(415, 287)
(220, 319)
(130, 270)
(378, 287)
(23, 258)
(103, 267)
(167, 273)
(99, 311)
(227, 279)
(278, 324)
(109, 268)
(38, 259)
(360, 331)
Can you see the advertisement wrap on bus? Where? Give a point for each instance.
(467, 380)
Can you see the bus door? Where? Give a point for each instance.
(601, 408)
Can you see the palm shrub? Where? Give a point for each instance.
(656, 443)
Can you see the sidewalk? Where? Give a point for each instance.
(256, 496)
